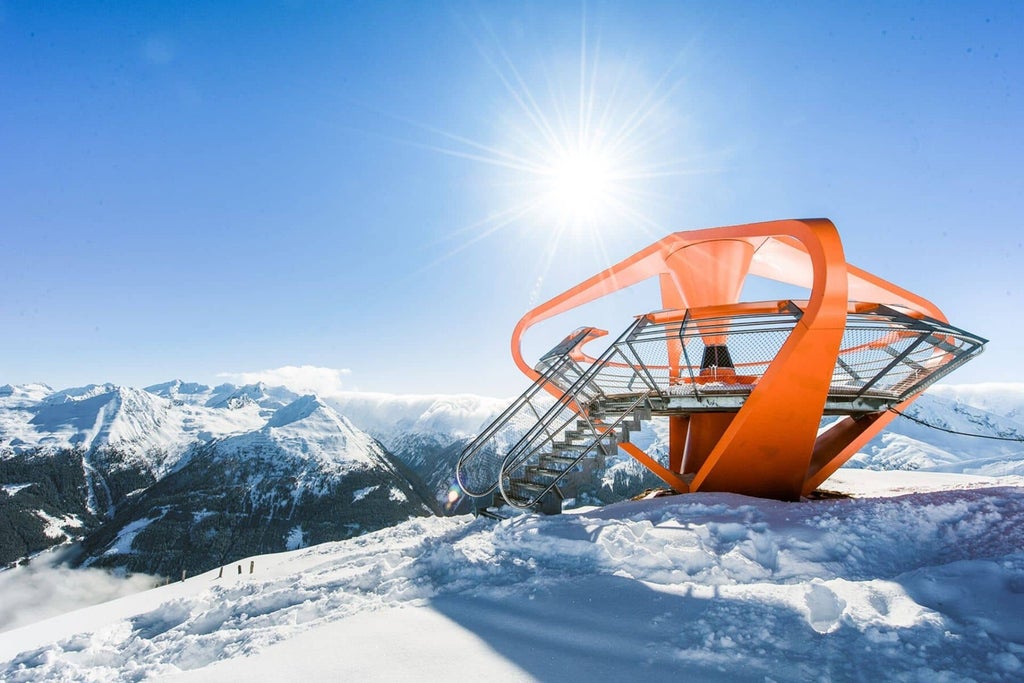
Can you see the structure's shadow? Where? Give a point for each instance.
(599, 628)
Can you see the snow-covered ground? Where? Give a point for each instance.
(916, 577)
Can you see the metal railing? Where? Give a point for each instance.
(514, 470)
(479, 465)
(505, 445)
(884, 354)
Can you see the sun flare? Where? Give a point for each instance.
(587, 152)
(580, 185)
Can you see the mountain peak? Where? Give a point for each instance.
(80, 393)
(177, 388)
(299, 409)
(32, 392)
(266, 397)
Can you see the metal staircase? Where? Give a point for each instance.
(537, 452)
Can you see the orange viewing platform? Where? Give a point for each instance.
(763, 398)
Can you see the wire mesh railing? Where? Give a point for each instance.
(522, 491)
(884, 353)
(479, 464)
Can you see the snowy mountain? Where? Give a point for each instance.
(119, 466)
(307, 476)
(178, 461)
(426, 432)
(390, 417)
(1000, 398)
(913, 577)
(908, 445)
(154, 429)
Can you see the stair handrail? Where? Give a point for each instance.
(561, 358)
(528, 445)
(599, 436)
(568, 398)
(474, 447)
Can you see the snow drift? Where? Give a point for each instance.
(887, 585)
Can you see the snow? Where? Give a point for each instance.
(907, 445)
(12, 489)
(359, 494)
(389, 417)
(259, 394)
(122, 545)
(156, 431)
(1002, 398)
(309, 430)
(917, 576)
(24, 393)
(296, 538)
(56, 526)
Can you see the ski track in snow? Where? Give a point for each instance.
(925, 586)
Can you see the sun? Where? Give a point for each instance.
(579, 186)
(585, 151)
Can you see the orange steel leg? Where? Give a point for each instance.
(678, 425)
(836, 440)
(833, 451)
(770, 446)
(706, 430)
(677, 483)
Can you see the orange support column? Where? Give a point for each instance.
(706, 430)
(678, 425)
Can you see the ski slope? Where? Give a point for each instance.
(917, 576)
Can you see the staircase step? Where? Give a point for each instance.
(528, 485)
(554, 458)
(540, 470)
(639, 413)
(576, 439)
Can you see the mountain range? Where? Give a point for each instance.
(182, 477)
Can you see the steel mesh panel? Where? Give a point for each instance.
(864, 353)
(622, 374)
(747, 344)
(884, 356)
(479, 474)
(892, 357)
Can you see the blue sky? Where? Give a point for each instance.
(195, 190)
